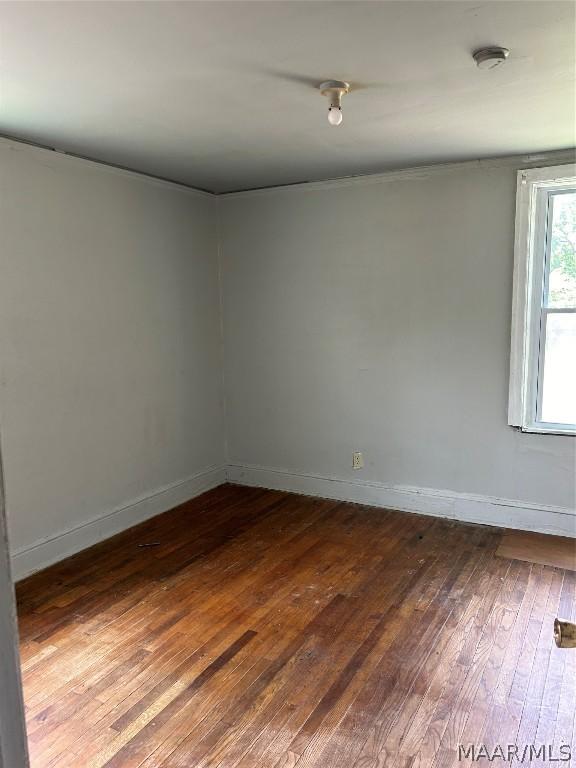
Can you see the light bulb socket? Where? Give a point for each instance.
(334, 90)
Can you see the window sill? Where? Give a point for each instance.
(552, 429)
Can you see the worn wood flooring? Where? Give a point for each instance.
(269, 630)
(557, 551)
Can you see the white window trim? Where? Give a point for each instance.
(532, 189)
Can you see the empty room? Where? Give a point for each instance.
(287, 384)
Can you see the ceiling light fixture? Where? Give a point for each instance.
(334, 90)
(488, 58)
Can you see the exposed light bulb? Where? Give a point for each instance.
(334, 90)
(335, 115)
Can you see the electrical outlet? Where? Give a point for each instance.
(357, 460)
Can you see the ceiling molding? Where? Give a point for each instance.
(532, 160)
(18, 144)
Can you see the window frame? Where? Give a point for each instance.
(531, 252)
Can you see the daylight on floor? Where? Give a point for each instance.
(287, 383)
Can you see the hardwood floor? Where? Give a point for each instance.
(557, 551)
(263, 629)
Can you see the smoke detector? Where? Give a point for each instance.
(489, 58)
(334, 90)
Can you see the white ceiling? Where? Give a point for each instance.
(220, 95)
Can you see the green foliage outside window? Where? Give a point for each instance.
(562, 281)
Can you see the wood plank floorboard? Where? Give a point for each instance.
(557, 551)
(268, 630)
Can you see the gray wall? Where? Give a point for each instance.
(110, 343)
(376, 316)
(373, 316)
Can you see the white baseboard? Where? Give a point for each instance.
(471, 508)
(33, 558)
(487, 510)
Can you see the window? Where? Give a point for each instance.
(543, 359)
